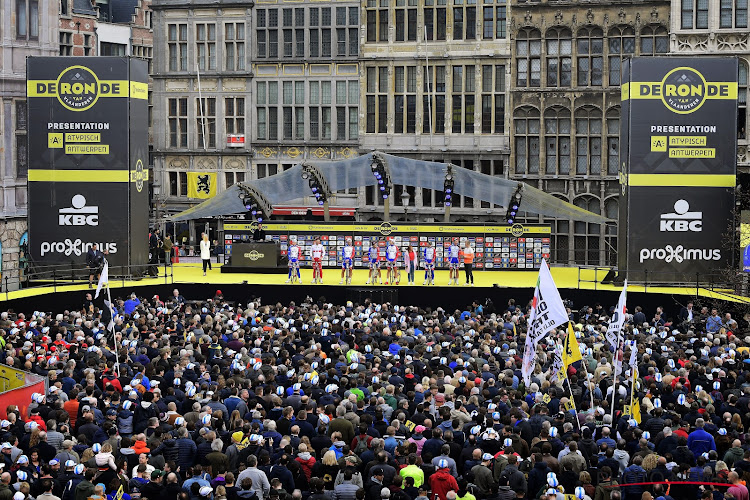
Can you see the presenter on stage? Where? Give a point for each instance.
(205, 252)
(410, 263)
(391, 262)
(468, 255)
(259, 234)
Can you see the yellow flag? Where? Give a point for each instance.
(570, 405)
(201, 184)
(635, 410)
(571, 351)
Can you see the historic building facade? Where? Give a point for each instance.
(433, 85)
(279, 84)
(565, 105)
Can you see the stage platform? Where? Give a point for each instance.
(582, 285)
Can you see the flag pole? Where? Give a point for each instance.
(575, 410)
(114, 339)
(615, 381)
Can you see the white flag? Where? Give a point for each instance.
(547, 313)
(103, 279)
(633, 355)
(618, 318)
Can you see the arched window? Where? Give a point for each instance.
(557, 140)
(654, 40)
(586, 238)
(590, 59)
(742, 101)
(613, 141)
(528, 57)
(588, 141)
(559, 49)
(526, 130)
(621, 41)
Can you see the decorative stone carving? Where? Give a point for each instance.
(654, 15)
(205, 163)
(733, 42)
(234, 162)
(558, 17)
(692, 43)
(590, 16)
(178, 162)
(621, 15)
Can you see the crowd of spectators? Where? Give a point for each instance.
(212, 400)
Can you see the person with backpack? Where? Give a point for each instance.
(361, 443)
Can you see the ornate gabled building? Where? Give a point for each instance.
(565, 107)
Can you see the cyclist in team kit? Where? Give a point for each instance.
(347, 262)
(316, 252)
(391, 262)
(429, 264)
(373, 260)
(453, 254)
(293, 255)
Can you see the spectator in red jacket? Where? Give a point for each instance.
(441, 482)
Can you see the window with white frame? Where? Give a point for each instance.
(526, 131)
(267, 110)
(528, 58)
(205, 45)
(234, 46)
(376, 100)
(234, 115)
(493, 99)
(557, 140)
(463, 99)
(178, 122)
(621, 44)
(27, 19)
(559, 49)
(405, 99)
(205, 113)
(588, 141)
(733, 14)
(177, 46)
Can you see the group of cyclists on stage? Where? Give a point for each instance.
(392, 255)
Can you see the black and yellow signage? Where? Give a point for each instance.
(678, 173)
(87, 143)
(683, 90)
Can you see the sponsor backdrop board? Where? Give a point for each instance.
(677, 176)
(88, 157)
(495, 246)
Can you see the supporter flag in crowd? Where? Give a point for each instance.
(547, 313)
(618, 318)
(558, 367)
(633, 410)
(633, 362)
(103, 279)
(108, 315)
(571, 350)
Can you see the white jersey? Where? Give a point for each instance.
(429, 254)
(348, 252)
(454, 251)
(294, 252)
(316, 251)
(391, 252)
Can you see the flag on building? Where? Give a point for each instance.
(201, 184)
